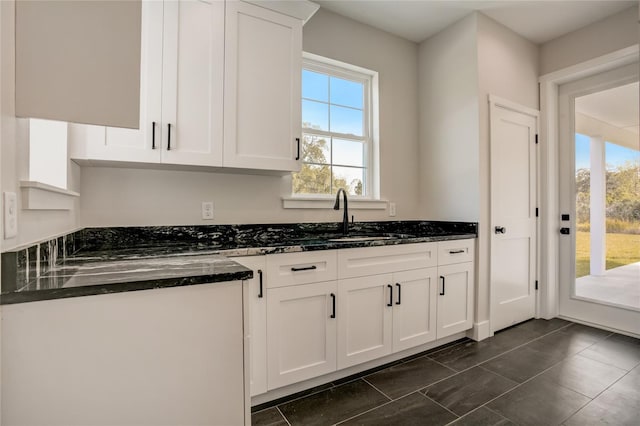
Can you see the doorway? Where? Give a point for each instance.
(599, 163)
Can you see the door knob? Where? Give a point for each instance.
(500, 230)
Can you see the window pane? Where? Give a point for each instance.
(348, 153)
(347, 93)
(315, 86)
(346, 120)
(349, 178)
(315, 115)
(315, 149)
(312, 179)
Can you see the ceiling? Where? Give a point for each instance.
(417, 20)
(618, 107)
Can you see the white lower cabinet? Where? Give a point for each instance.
(320, 311)
(414, 314)
(456, 286)
(455, 298)
(301, 330)
(364, 319)
(383, 314)
(256, 301)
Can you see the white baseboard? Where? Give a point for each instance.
(480, 331)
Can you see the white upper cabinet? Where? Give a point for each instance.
(181, 90)
(192, 82)
(263, 61)
(205, 65)
(78, 61)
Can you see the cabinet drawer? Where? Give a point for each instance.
(360, 262)
(301, 268)
(456, 251)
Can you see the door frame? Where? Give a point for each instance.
(549, 222)
(498, 102)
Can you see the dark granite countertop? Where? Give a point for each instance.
(86, 276)
(109, 260)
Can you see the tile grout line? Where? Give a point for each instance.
(374, 408)
(283, 416)
(383, 394)
(437, 403)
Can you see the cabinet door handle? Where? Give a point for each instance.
(456, 251)
(260, 278)
(399, 293)
(298, 155)
(333, 304)
(169, 137)
(390, 295)
(306, 268)
(442, 292)
(153, 135)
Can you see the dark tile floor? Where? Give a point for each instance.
(536, 373)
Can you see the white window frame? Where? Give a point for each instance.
(370, 138)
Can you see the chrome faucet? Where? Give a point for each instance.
(345, 218)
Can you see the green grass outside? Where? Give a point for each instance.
(622, 249)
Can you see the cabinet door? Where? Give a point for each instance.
(192, 82)
(256, 303)
(302, 333)
(455, 298)
(364, 319)
(136, 145)
(263, 60)
(414, 309)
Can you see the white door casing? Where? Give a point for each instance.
(513, 227)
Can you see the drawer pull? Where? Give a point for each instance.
(390, 295)
(456, 251)
(260, 277)
(442, 292)
(306, 268)
(333, 304)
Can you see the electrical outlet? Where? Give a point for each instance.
(392, 209)
(207, 210)
(10, 215)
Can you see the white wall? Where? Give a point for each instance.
(608, 35)
(32, 225)
(448, 123)
(507, 67)
(128, 197)
(459, 68)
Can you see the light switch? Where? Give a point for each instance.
(392, 209)
(10, 210)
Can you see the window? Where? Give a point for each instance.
(48, 152)
(338, 144)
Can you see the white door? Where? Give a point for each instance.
(414, 308)
(192, 77)
(365, 312)
(301, 325)
(513, 215)
(455, 299)
(263, 65)
(256, 304)
(597, 286)
(141, 145)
